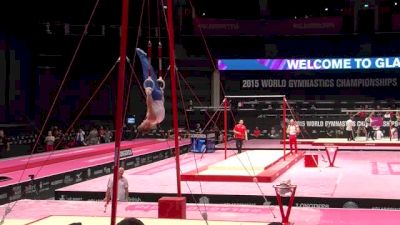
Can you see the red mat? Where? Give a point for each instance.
(270, 173)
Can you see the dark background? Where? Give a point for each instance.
(36, 50)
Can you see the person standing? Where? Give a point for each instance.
(350, 124)
(293, 130)
(107, 135)
(93, 137)
(198, 128)
(397, 129)
(49, 141)
(101, 133)
(240, 134)
(368, 126)
(4, 144)
(388, 122)
(256, 133)
(80, 138)
(123, 192)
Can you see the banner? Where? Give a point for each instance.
(340, 122)
(313, 123)
(317, 25)
(256, 84)
(310, 64)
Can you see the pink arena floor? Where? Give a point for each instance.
(368, 179)
(26, 212)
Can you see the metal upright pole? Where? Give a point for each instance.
(284, 127)
(119, 106)
(171, 43)
(225, 126)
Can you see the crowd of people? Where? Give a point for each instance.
(373, 123)
(55, 138)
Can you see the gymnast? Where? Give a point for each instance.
(154, 89)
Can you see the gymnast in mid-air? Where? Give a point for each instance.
(154, 89)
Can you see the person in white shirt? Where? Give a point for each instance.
(80, 138)
(293, 130)
(123, 192)
(350, 124)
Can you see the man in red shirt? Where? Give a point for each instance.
(240, 134)
(256, 132)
